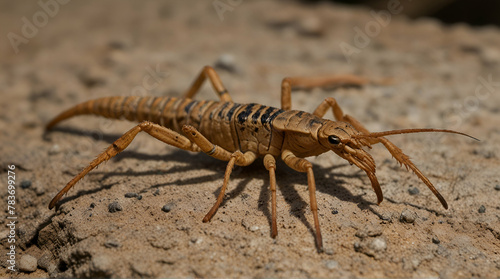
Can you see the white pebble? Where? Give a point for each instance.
(27, 263)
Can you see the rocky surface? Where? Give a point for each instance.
(440, 76)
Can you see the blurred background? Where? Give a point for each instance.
(479, 12)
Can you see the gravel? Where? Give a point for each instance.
(131, 195)
(27, 263)
(167, 208)
(413, 191)
(25, 184)
(435, 240)
(408, 216)
(114, 207)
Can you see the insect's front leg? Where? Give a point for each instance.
(339, 115)
(290, 83)
(238, 158)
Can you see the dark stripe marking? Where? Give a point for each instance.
(256, 114)
(224, 106)
(189, 105)
(312, 122)
(271, 118)
(230, 113)
(242, 116)
(265, 117)
(201, 109)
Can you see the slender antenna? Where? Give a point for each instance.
(409, 131)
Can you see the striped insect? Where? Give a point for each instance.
(241, 133)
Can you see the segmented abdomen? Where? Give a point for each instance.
(230, 125)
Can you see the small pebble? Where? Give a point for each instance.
(482, 209)
(435, 240)
(195, 240)
(131, 195)
(407, 216)
(413, 191)
(156, 192)
(371, 246)
(497, 187)
(54, 149)
(92, 205)
(335, 211)
(27, 263)
(4, 234)
(166, 208)
(331, 264)
(25, 184)
(369, 231)
(253, 228)
(114, 207)
(328, 251)
(139, 197)
(112, 244)
(379, 244)
(226, 62)
(386, 216)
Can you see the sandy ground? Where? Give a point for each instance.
(443, 77)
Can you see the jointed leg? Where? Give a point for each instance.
(311, 82)
(270, 164)
(166, 135)
(216, 84)
(302, 165)
(235, 157)
(218, 152)
(339, 115)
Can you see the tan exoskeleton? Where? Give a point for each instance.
(241, 133)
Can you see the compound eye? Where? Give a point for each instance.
(334, 140)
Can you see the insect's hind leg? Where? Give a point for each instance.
(290, 83)
(214, 78)
(159, 132)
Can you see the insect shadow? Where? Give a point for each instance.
(328, 180)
